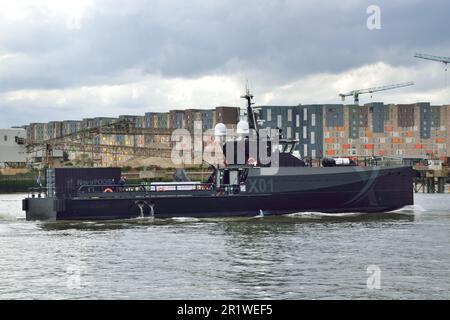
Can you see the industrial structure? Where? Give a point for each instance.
(113, 141)
(12, 147)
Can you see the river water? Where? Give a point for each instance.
(401, 255)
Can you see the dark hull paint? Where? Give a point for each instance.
(381, 191)
(244, 206)
(290, 190)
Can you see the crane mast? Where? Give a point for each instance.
(356, 93)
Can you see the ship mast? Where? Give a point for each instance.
(251, 118)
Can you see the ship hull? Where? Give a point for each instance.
(328, 190)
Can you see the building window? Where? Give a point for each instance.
(269, 115)
(297, 136)
(305, 114)
(289, 115)
(297, 120)
(313, 119)
(304, 133)
(313, 153)
(279, 122)
(289, 132)
(313, 137)
(5, 138)
(305, 150)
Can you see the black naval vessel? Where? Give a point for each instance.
(283, 185)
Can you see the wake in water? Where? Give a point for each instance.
(315, 215)
(7, 217)
(10, 208)
(185, 219)
(352, 216)
(414, 209)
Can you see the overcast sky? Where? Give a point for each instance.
(73, 59)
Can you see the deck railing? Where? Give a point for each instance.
(166, 187)
(40, 192)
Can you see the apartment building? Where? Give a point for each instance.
(418, 129)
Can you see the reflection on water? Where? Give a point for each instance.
(303, 255)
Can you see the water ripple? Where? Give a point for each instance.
(300, 256)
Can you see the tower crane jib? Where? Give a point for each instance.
(356, 93)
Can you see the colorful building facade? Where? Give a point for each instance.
(374, 129)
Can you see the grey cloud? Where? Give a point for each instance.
(285, 39)
(271, 42)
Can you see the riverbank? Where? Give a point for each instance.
(16, 184)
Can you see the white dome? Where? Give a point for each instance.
(242, 127)
(220, 130)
